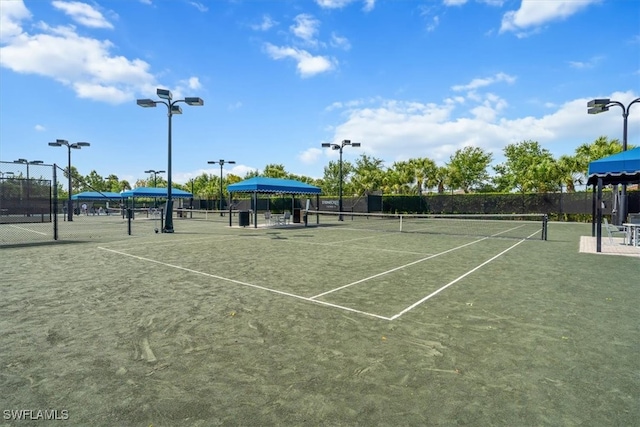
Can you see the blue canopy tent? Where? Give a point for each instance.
(156, 192)
(96, 195)
(621, 168)
(262, 184)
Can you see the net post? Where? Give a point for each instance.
(129, 216)
(545, 223)
(162, 219)
(400, 223)
(55, 203)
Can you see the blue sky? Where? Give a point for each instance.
(404, 78)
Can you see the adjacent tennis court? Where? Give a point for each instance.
(332, 324)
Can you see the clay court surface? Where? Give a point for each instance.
(330, 326)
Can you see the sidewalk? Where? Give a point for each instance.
(588, 245)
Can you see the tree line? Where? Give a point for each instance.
(527, 167)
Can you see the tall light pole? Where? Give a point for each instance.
(155, 173)
(74, 146)
(221, 163)
(597, 106)
(28, 162)
(2, 184)
(172, 109)
(340, 146)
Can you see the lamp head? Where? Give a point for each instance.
(355, 144)
(62, 141)
(597, 102)
(175, 109)
(326, 145)
(232, 162)
(164, 94)
(346, 142)
(597, 109)
(194, 101)
(36, 162)
(20, 161)
(146, 103)
(55, 144)
(82, 144)
(335, 147)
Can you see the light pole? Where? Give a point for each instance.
(155, 173)
(28, 162)
(172, 109)
(2, 184)
(340, 146)
(597, 106)
(74, 146)
(221, 163)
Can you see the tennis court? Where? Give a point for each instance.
(336, 324)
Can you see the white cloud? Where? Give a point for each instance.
(339, 4)
(533, 14)
(40, 128)
(482, 82)
(340, 42)
(310, 155)
(235, 106)
(82, 63)
(83, 14)
(436, 130)
(585, 64)
(454, 2)
(307, 64)
(306, 28)
(266, 24)
(12, 13)
(201, 7)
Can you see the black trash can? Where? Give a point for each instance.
(296, 216)
(243, 218)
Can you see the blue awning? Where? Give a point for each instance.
(620, 168)
(96, 195)
(156, 192)
(262, 184)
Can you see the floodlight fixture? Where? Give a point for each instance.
(326, 145)
(194, 101)
(164, 94)
(598, 101)
(146, 103)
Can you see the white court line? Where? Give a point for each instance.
(415, 304)
(353, 310)
(26, 229)
(397, 268)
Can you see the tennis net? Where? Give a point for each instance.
(515, 226)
